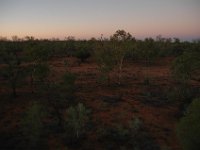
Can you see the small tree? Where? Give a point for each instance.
(38, 54)
(105, 60)
(188, 129)
(112, 54)
(186, 66)
(75, 122)
(133, 136)
(67, 86)
(70, 46)
(12, 70)
(147, 50)
(60, 95)
(120, 46)
(32, 125)
(82, 54)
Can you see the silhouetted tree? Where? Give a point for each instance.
(120, 42)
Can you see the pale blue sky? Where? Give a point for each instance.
(91, 18)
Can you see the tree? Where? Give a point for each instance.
(185, 68)
(121, 35)
(188, 129)
(105, 60)
(177, 47)
(38, 54)
(187, 65)
(29, 38)
(82, 54)
(12, 71)
(111, 54)
(60, 95)
(15, 38)
(120, 45)
(163, 46)
(70, 45)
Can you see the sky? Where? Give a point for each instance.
(84, 19)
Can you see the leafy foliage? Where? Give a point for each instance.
(111, 55)
(75, 123)
(83, 54)
(132, 137)
(60, 95)
(105, 60)
(41, 71)
(12, 71)
(67, 85)
(32, 125)
(187, 65)
(188, 129)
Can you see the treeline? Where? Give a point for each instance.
(29, 58)
(109, 54)
(160, 46)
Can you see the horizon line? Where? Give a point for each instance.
(63, 38)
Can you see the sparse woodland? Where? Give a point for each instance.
(100, 94)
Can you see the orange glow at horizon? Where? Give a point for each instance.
(83, 20)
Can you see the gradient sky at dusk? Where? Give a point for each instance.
(91, 18)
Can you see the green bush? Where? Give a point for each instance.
(12, 70)
(75, 123)
(132, 137)
(67, 86)
(188, 129)
(69, 78)
(82, 54)
(41, 71)
(186, 66)
(105, 61)
(60, 95)
(32, 125)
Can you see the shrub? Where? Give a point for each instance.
(41, 71)
(82, 54)
(32, 125)
(139, 137)
(105, 61)
(188, 129)
(62, 91)
(75, 123)
(67, 86)
(69, 79)
(12, 70)
(111, 137)
(59, 95)
(186, 66)
(135, 124)
(132, 137)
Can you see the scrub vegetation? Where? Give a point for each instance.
(103, 94)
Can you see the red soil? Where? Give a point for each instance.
(160, 121)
